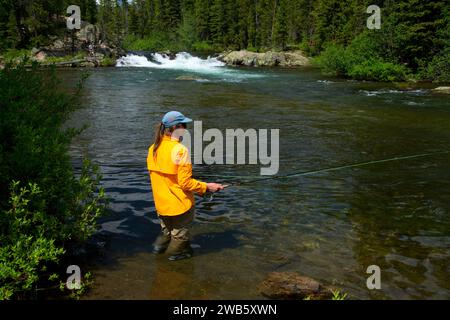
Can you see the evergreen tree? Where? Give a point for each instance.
(202, 17)
(217, 22)
(186, 30)
(171, 14)
(280, 32)
(88, 9)
(416, 25)
(12, 37)
(109, 16)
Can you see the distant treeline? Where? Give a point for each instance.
(414, 35)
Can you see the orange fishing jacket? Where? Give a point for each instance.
(171, 178)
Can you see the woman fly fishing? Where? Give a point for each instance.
(173, 187)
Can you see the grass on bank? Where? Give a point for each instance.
(45, 209)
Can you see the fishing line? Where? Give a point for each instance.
(293, 174)
(311, 172)
(303, 173)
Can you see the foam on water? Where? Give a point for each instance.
(185, 62)
(372, 93)
(182, 61)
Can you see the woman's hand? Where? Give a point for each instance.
(214, 187)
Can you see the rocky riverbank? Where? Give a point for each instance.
(288, 59)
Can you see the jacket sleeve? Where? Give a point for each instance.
(185, 180)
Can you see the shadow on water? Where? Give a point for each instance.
(216, 241)
(127, 234)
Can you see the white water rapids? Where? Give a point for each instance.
(184, 61)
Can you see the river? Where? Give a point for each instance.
(329, 226)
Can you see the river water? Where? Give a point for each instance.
(329, 226)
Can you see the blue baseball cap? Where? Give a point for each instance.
(173, 118)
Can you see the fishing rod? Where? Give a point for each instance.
(311, 172)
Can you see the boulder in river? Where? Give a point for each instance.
(266, 59)
(291, 285)
(442, 90)
(168, 53)
(188, 78)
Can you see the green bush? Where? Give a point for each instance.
(108, 62)
(333, 61)
(15, 55)
(308, 47)
(145, 44)
(252, 49)
(360, 60)
(44, 208)
(438, 69)
(378, 71)
(204, 47)
(27, 242)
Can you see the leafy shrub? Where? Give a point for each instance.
(378, 70)
(145, 44)
(252, 49)
(43, 206)
(27, 241)
(333, 60)
(360, 60)
(204, 47)
(438, 69)
(15, 55)
(108, 62)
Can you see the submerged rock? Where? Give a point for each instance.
(291, 285)
(188, 78)
(266, 59)
(168, 53)
(442, 89)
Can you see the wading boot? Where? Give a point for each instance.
(179, 250)
(161, 243)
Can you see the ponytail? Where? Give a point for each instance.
(159, 133)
